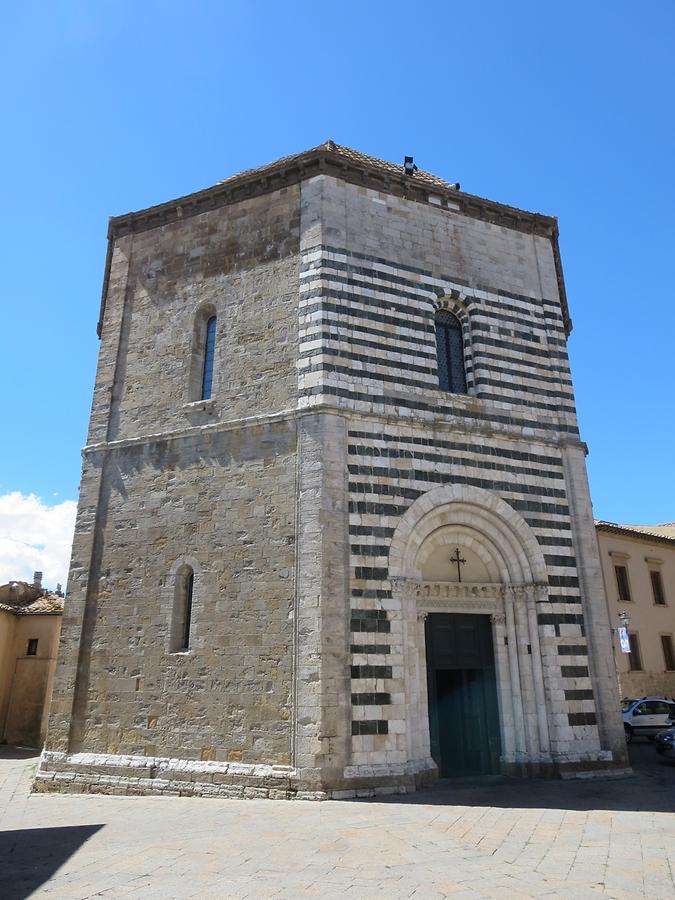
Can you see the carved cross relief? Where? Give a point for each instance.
(459, 561)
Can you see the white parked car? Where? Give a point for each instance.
(647, 716)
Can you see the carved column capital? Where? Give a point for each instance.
(541, 593)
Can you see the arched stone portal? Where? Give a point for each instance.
(461, 551)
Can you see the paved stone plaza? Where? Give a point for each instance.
(610, 838)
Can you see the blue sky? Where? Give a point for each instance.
(565, 109)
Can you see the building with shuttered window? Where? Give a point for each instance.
(638, 563)
(30, 620)
(334, 531)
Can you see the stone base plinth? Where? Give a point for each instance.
(100, 773)
(597, 765)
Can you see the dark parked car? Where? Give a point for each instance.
(665, 743)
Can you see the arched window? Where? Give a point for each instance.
(202, 354)
(450, 353)
(182, 609)
(209, 354)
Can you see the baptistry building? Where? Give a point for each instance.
(334, 534)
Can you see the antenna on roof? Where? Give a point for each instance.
(409, 166)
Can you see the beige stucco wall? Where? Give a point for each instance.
(639, 555)
(7, 622)
(26, 681)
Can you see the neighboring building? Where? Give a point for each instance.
(638, 563)
(30, 622)
(334, 529)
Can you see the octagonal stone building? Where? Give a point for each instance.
(334, 533)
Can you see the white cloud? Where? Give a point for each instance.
(35, 537)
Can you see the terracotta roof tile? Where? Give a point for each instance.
(664, 532)
(349, 155)
(23, 599)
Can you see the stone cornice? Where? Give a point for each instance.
(328, 159)
(354, 168)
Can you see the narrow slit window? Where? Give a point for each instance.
(450, 353)
(182, 610)
(31, 649)
(189, 588)
(209, 356)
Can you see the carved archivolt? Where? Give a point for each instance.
(469, 517)
(455, 303)
(493, 527)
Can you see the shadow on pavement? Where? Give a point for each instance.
(651, 788)
(8, 752)
(29, 857)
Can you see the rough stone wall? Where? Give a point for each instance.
(223, 502)
(646, 684)
(241, 261)
(166, 481)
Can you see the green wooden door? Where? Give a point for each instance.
(463, 711)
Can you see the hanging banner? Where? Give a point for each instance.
(623, 639)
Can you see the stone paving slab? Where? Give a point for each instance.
(487, 840)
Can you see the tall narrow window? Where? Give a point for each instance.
(634, 658)
(668, 654)
(621, 573)
(450, 353)
(657, 587)
(209, 354)
(182, 609)
(189, 587)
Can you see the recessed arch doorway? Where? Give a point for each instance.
(468, 573)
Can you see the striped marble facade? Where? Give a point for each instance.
(367, 345)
